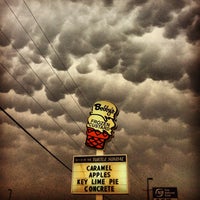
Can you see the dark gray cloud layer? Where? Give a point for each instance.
(141, 55)
(119, 54)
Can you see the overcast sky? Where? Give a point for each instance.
(58, 57)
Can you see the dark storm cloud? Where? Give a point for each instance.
(154, 102)
(61, 62)
(193, 32)
(85, 66)
(2, 11)
(164, 68)
(5, 84)
(22, 105)
(193, 70)
(19, 39)
(53, 25)
(133, 53)
(57, 90)
(183, 83)
(35, 58)
(109, 59)
(103, 34)
(97, 88)
(89, 89)
(14, 29)
(42, 120)
(116, 52)
(71, 41)
(132, 3)
(188, 21)
(157, 14)
(130, 70)
(19, 78)
(108, 2)
(31, 82)
(138, 62)
(58, 85)
(81, 40)
(3, 41)
(26, 158)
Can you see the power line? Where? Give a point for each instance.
(50, 92)
(46, 39)
(41, 145)
(45, 60)
(39, 104)
(47, 88)
(48, 151)
(50, 45)
(37, 77)
(56, 53)
(52, 68)
(29, 134)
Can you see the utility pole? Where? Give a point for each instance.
(10, 194)
(148, 179)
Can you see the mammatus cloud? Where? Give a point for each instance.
(58, 58)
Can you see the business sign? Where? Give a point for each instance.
(165, 193)
(105, 174)
(101, 124)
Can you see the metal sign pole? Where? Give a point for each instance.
(99, 153)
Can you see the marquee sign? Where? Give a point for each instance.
(165, 193)
(100, 124)
(105, 174)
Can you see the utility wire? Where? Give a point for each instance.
(41, 82)
(51, 94)
(36, 75)
(56, 53)
(39, 104)
(39, 48)
(47, 88)
(45, 60)
(41, 145)
(29, 134)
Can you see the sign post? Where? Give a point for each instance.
(98, 153)
(100, 174)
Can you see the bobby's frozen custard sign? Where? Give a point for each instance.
(101, 123)
(100, 174)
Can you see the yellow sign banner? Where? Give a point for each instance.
(105, 174)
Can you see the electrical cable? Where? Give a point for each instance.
(50, 92)
(47, 150)
(43, 82)
(45, 60)
(56, 53)
(29, 134)
(59, 126)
